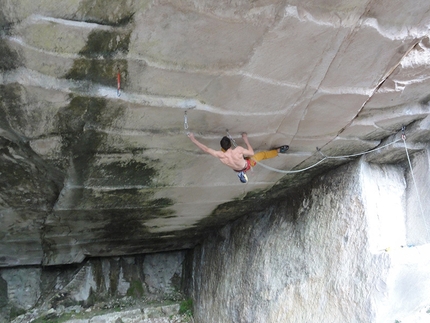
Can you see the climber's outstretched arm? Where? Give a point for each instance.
(205, 148)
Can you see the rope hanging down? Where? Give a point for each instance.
(415, 183)
(319, 150)
(325, 157)
(298, 170)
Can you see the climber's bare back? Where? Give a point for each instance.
(233, 158)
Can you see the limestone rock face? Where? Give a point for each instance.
(95, 167)
(344, 250)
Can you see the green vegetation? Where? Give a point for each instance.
(102, 43)
(9, 59)
(14, 312)
(135, 289)
(55, 319)
(186, 307)
(109, 13)
(99, 71)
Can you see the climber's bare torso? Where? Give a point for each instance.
(232, 157)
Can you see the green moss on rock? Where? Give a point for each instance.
(130, 198)
(111, 13)
(130, 172)
(15, 312)
(98, 64)
(105, 43)
(9, 58)
(26, 178)
(80, 142)
(135, 289)
(186, 307)
(11, 116)
(99, 71)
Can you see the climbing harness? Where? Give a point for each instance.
(241, 174)
(243, 178)
(118, 81)
(325, 157)
(318, 149)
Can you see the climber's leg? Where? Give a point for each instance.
(267, 154)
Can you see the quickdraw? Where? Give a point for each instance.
(118, 80)
(231, 138)
(186, 123)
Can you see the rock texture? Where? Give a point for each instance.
(135, 284)
(342, 250)
(96, 98)
(87, 173)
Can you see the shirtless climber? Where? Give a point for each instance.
(239, 159)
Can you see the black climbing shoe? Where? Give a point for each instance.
(242, 176)
(283, 149)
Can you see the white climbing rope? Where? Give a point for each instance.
(290, 171)
(325, 157)
(415, 184)
(298, 170)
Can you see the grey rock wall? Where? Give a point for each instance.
(338, 252)
(105, 282)
(418, 227)
(88, 173)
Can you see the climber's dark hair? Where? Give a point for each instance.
(225, 143)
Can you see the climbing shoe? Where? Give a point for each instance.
(242, 176)
(283, 149)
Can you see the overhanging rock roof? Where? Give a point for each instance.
(87, 173)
